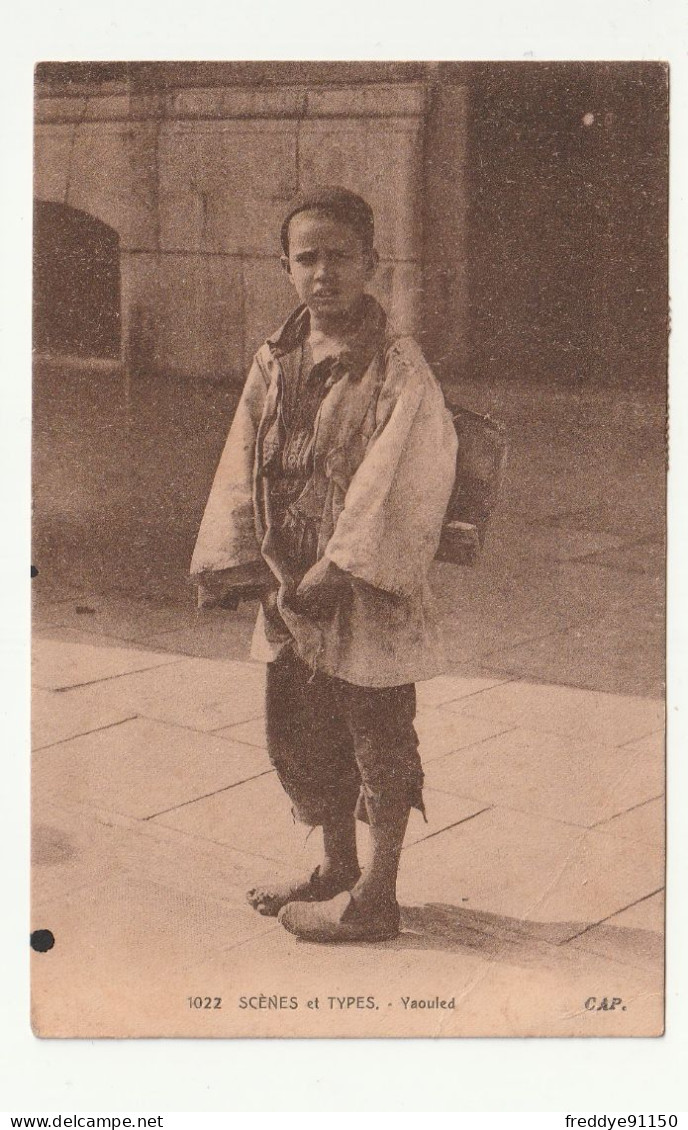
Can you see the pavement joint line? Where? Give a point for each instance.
(472, 745)
(215, 792)
(498, 804)
(464, 820)
(240, 741)
(100, 638)
(647, 540)
(614, 913)
(84, 733)
(559, 631)
(231, 725)
(108, 678)
(641, 737)
(193, 729)
(221, 844)
(619, 959)
(541, 681)
(471, 694)
(625, 811)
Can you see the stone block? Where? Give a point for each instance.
(381, 159)
(60, 109)
(108, 107)
(183, 314)
(52, 149)
(270, 298)
(235, 102)
(397, 286)
(224, 186)
(373, 101)
(108, 178)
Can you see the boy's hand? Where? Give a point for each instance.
(321, 588)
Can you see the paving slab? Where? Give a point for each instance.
(255, 818)
(114, 615)
(58, 664)
(517, 872)
(450, 688)
(224, 635)
(252, 733)
(441, 732)
(442, 811)
(56, 717)
(476, 629)
(588, 716)
(635, 936)
(142, 767)
(188, 863)
(199, 693)
(76, 847)
(602, 653)
(646, 823)
(112, 940)
(577, 782)
(646, 556)
(565, 544)
(70, 850)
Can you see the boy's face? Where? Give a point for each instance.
(328, 264)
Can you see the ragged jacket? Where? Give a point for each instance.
(384, 459)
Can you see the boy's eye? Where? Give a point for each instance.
(308, 259)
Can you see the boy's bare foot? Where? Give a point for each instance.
(269, 898)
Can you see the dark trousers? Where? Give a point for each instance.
(341, 749)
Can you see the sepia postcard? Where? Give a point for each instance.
(349, 504)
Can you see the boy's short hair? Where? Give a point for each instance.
(338, 202)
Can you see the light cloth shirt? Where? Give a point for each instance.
(383, 466)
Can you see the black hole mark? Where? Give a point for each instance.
(42, 940)
(34, 571)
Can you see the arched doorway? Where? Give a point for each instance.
(76, 283)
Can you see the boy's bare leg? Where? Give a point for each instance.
(339, 848)
(376, 890)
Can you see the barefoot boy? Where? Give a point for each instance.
(330, 494)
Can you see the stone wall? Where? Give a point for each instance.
(195, 182)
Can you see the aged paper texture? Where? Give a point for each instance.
(520, 251)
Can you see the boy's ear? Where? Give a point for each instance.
(284, 261)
